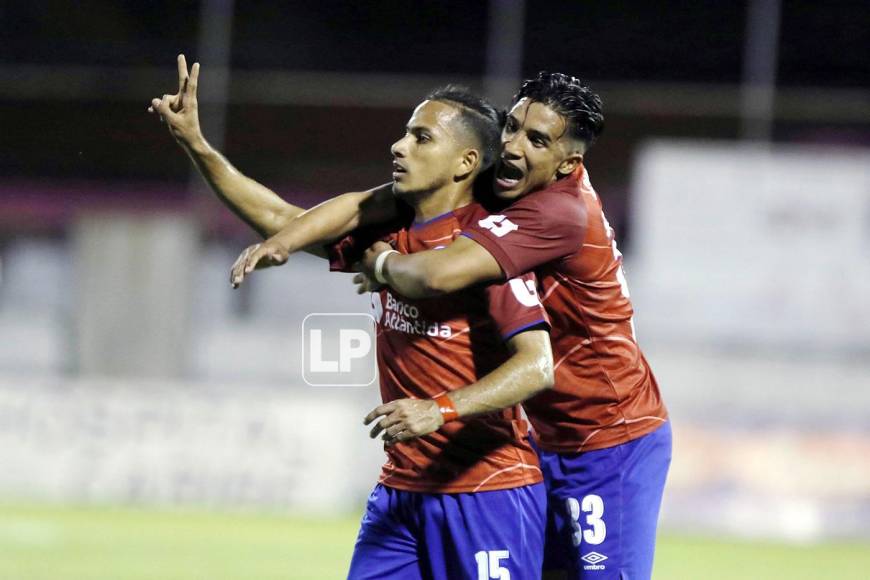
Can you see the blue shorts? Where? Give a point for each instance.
(407, 535)
(604, 507)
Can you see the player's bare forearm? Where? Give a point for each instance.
(526, 373)
(462, 264)
(254, 203)
(257, 205)
(311, 230)
(336, 217)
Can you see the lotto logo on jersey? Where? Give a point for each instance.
(525, 292)
(338, 350)
(498, 225)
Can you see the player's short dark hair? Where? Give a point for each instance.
(478, 115)
(569, 97)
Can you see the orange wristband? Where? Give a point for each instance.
(445, 406)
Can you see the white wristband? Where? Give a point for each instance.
(379, 265)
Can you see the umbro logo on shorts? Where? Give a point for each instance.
(593, 561)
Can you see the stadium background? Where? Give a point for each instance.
(153, 423)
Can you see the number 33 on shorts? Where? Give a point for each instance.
(593, 507)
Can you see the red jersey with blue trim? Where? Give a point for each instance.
(605, 393)
(431, 346)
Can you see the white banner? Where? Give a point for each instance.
(193, 444)
(741, 245)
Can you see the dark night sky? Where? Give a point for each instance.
(822, 43)
(321, 149)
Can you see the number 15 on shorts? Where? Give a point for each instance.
(489, 565)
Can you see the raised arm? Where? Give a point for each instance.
(257, 205)
(527, 372)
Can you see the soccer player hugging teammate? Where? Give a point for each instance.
(602, 431)
(461, 496)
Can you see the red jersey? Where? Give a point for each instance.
(430, 346)
(605, 393)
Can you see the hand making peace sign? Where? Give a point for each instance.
(180, 111)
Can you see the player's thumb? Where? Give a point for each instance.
(165, 107)
(278, 257)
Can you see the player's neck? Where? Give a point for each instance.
(442, 201)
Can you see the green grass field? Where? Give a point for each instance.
(52, 543)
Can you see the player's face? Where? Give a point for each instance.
(424, 160)
(536, 150)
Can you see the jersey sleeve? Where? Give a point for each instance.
(514, 305)
(534, 230)
(349, 250)
(341, 254)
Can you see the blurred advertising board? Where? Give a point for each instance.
(752, 246)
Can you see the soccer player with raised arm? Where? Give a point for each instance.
(462, 497)
(604, 438)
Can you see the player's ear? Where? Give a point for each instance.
(572, 160)
(568, 165)
(468, 163)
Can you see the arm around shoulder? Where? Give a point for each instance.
(462, 264)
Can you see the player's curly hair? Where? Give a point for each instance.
(569, 97)
(479, 116)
